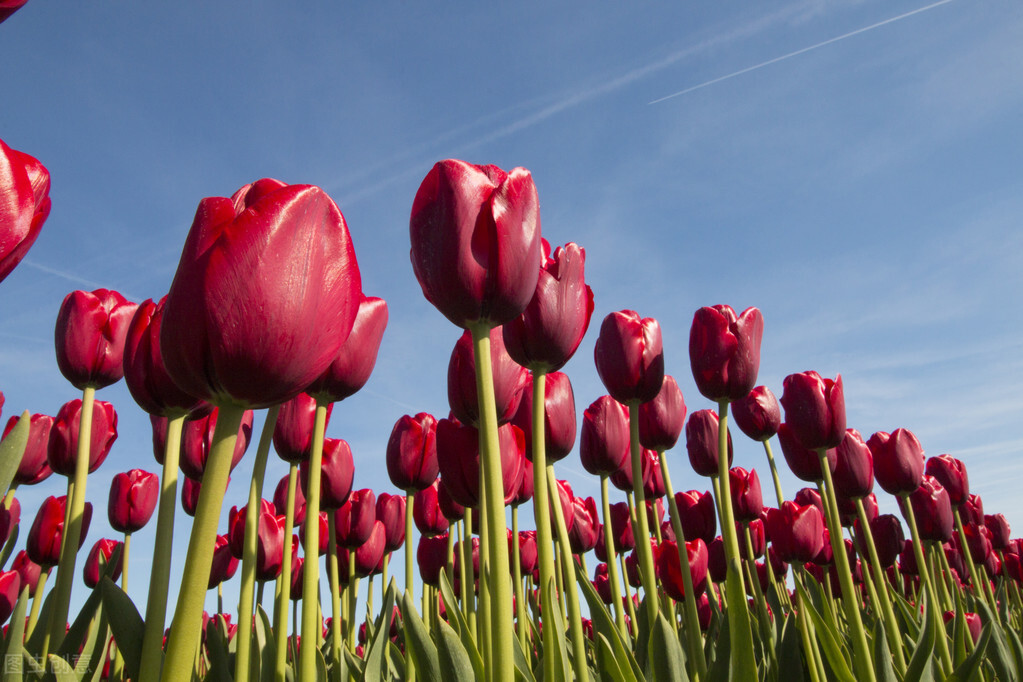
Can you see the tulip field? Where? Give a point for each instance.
(480, 561)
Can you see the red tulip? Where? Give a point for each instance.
(724, 351)
(747, 497)
(565, 496)
(354, 363)
(933, 510)
(412, 452)
(323, 533)
(144, 371)
(978, 542)
(889, 538)
(898, 461)
(34, 467)
(269, 539)
(370, 553)
(548, 332)
(10, 517)
(133, 497)
(814, 409)
(528, 555)
(854, 467)
(702, 442)
(717, 565)
(630, 357)
(197, 441)
(669, 568)
(28, 570)
(190, 495)
(90, 334)
(99, 557)
(653, 478)
(999, 527)
(973, 510)
(803, 461)
(62, 450)
(427, 513)
(24, 193)
(459, 460)
(293, 431)
(558, 416)
(432, 556)
(758, 415)
(475, 233)
(951, 473)
(10, 585)
(621, 527)
(797, 532)
(224, 562)
(586, 526)
(697, 514)
(337, 471)
(973, 623)
(281, 501)
(295, 589)
(391, 512)
(605, 441)
(264, 296)
(510, 380)
(452, 510)
(353, 521)
(602, 584)
(525, 491)
(758, 538)
(661, 419)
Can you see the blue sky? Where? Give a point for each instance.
(850, 168)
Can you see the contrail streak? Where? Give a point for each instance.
(799, 52)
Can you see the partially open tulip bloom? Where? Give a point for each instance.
(629, 355)
(814, 409)
(34, 467)
(266, 292)
(797, 532)
(354, 363)
(758, 415)
(724, 351)
(604, 441)
(585, 527)
(44, 537)
(337, 471)
(427, 512)
(898, 461)
(558, 417)
(702, 442)
(353, 521)
(475, 233)
(548, 332)
(747, 497)
(269, 543)
(370, 553)
(224, 562)
(854, 467)
(133, 497)
(510, 380)
(669, 568)
(412, 452)
(62, 449)
(99, 556)
(697, 514)
(89, 337)
(933, 510)
(661, 419)
(803, 461)
(293, 432)
(431, 555)
(998, 525)
(24, 195)
(951, 473)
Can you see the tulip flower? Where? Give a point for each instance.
(510, 380)
(621, 528)
(353, 521)
(724, 351)
(356, 358)
(951, 473)
(653, 479)
(10, 588)
(24, 196)
(630, 357)
(390, 511)
(412, 452)
(999, 527)
(427, 512)
(29, 571)
(669, 567)
(475, 233)
(814, 409)
(224, 562)
(62, 448)
(322, 533)
(34, 467)
(747, 497)
(889, 538)
(797, 532)
(369, 554)
(758, 415)
(585, 526)
(281, 502)
(293, 432)
(558, 415)
(933, 510)
(452, 510)
(10, 517)
(802, 461)
(717, 565)
(133, 497)
(458, 459)
(90, 335)
(661, 419)
(697, 514)
(337, 470)
(702, 442)
(973, 509)
(604, 441)
(978, 542)
(197, 443)
(432, 556)
(602, 584)
(898, 461)
(528, 552)
(99, 557)
(526, 488)
(548, 332)
(270, 539)
(854, 467)
(190, 489)
(973, 623)
(44, 537)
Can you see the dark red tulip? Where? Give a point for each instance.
(605, 441)
(144, 371)
(565, 496)
(933, 510)
(432, 556)
(99, 557)
(548, 332)
(337, 471)
(630, 357)
(602, 584)
(973, 623)
(779, 566)
(814, 409)
(354, 363)
(973, 510)
(898, 461)
(654, 512)
(473, 571)
(427, 513)
(452, 510)
(758, 538)
(412, 452)
(7, 8)
(34, 467)
(907, 559)
(269, 539)
(10, 581)
(323, 533)
(10, 517)
(559, 416)
(747, 497)
(978, 542)
(370, 553)
(28, 570)
(951, 473)
(803, 461)
(826, 556)
(669, 568)
(889, 538)
(293, 431)
(717, 565)
(133, 497)
(62, 450)
(724, 351)
(90, 334)
(586, 525)
(999, 527)
(458, 457)
(758, 414)
(295, 589)
(797, 532)
(661, 419)
(24, 193)
(697, 514)
(475, 233)
(353, 522)
(190, 495)
(528, 555)
(632, 566)
(805, 496)
(391, 513)
(265, 294)
(1013, 567)
(197, 442)
(281, 501)
(854, 467)
(653, 478)
(621, 527)
(525, 491)
(510, 380)
(702, 443)
(224, 562)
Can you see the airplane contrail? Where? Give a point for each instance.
(799, 52)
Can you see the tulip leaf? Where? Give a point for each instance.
(562, 667)
(418, 643)
(603, 624)
(15, 635)
(969, 668)
(828, 638)
(5, 554)
(719, 648)
(12, 449)
(395, 662)
(609, 668)
(76, 635)
(1017, 647)
(921, 665)
(522, 669)
(126, 624)
(910, 624)
(883, 667)
(321, 667)
(790, 655)
(374, 669)
(457, 619)
(1001, 657)
(266, 643)
(356, 665)
(60, 670)
(665, 652)
(455, 665)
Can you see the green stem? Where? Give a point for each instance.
(311, 568)
(571, 592)
(758, 593)
(281, 597)
(409, 575)
(881, 583)
(521, 624)
(335, 589)
(353, 597)
(646, 558)
(774, 472)
(811, 651)
(183, 642)
(156, 606)
(629, 604)
(942, 577)
(612, 565)
(37, 600)
(975, 579)
(465, 574)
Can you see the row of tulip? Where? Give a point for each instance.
(266, 310)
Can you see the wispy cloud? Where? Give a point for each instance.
(71, 277)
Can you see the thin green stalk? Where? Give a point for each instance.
(353, 597)
(891, 628)
(281, 595)
(629, 604)
(811, 650)
(575, 627)
(335, 589)
(758, 593)
(183, 643)
(465, 574)
(124, 561)
(250, 541)
(646, 558)
(37, 601)
(521, 624)
(774, 472)
(559, 575)
(925, 577)
(409, 500)
(449, 564)
(975, 578)
(612, 565)
(311, 568)
(943, 577)
(156, 606)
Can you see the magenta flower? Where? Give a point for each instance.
(951, 473)
(558, 416)
(724, 351)
(510, 380)
(630, 357)
(702, 442)
(854, 467)
(89, 338)
(293, 431)
(62, 450)
(354, 363)
(605, 441)
(898, 461)
(814, 409)
(412, 452)
(661, 419)
(34, 467)
(24, 194)
(133, 498)
(758, 415)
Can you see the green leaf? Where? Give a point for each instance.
(883, 667)
(216, 649)
(321, 667)
(790, 652)
(458, 621)
(605, 625)
(921, 665)
(418, 643)
(374, 669)
(665, 653)
(76, 635)
(125, 623)
(455, 665)
(522, 669)
(908, 617)
(61, 670)
(1001, 657)
(15, 635)
(719, 648)
(610, 671)
(395, 662)
(266, 644)
(356, 665)
(562, 667)
(5, 554)
(829, 641)
(12, 449)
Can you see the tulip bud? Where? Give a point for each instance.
(630, 357)
(510, 380)
(224, 562)
(355, 360)
(797, 532)
(390, 511)
(452, 510)
(34, 467)
(803, 461)
(370, 553)
(702, 442)
(99, 557)
(62, 450)
(524, 493)
(133, 497)
(353, 521)
(337, 471)
(197, 442)
(978, 542)
(898, 461)
(999, 527)
(621, 527)
(669, 568)
(10, 586)
(558, 417)
(661, 419)
(814, 409)
(697, 514)
(190, 495)
(475, 233)
(528, 554)
(758, 415)
(758, 538)
(747, 497)
(269, 539)
(951, 473)
(28, 570)
(295, 589)
(724, 351)
(973, 510)
(293, 431)
(717, 564)
(602, 584)
(933, 510)
(459, 460)
(432, 556)
(427, 513)
(889, 538)
(585, 526)
(323, 534)
(281, 502)
(653, 479)
(26, 200)
(10, 517)
(44, 537)
(412, 452)
(605, 441)
(91, 328)
(854, 467)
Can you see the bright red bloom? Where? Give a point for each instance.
(427, 512)
(412, 452)
(34, 467)
(475, 233)
(293, 431)
(190, 489)
(28, 570)
(747, 497)
(724, 351)
(510, 380)
(337, 471)
(814, 409)
(669, 568)
(133, 498)
(933, 510)
(661, 419)
(702, 442)
(89, 338)
(264, 296)
(323, 534)
(854, 467)
(99, 557)
(24, 193)
(197, 442)
(62, 450)
(269, 538)
(797, 532)
(629, 355)
(354, 363)
(758, 415)
(951, 473)
(44, 537)
(10, 586)
(605, 441)
(459, 460)
(224, 562)
(558, 416)
(898, 461)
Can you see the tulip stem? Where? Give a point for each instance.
(72, 529)
(744, 665)
(571, 593)
(975, 578)
(521, 624)
(811, 654)
(335, 589)
(758, 594)
(281, 598)
(774, 472)
(629, 604)
(37, 599)
(183, 642)
(646, 558)
(311, 568)
(891, 625)
(466, 574)
(942, 576)
(612, 565)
